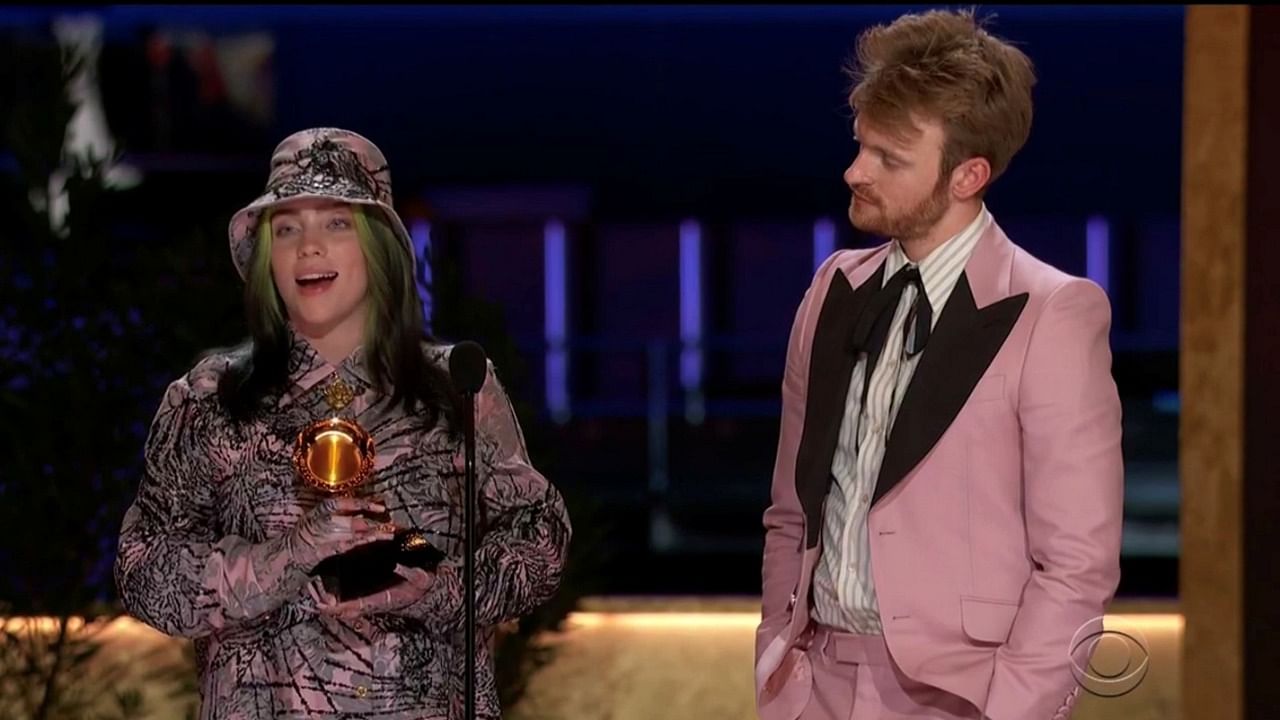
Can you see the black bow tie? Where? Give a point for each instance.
(872, 328)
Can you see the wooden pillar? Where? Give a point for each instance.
(1230, 364)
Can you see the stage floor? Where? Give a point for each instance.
(637, 658)
(687, 658)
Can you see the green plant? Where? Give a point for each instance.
(84, 356)
(98, 312)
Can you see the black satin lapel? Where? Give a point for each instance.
(961, 348)
(830, 367)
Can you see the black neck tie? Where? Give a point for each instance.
(872, 329)
(920, 313)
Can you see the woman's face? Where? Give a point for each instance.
(319, 266)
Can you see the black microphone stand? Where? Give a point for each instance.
(467, 369)
(469, 550)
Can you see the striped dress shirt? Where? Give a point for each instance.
(844, 595)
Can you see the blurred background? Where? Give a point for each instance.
(623, 204)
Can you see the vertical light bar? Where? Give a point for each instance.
(420, 234)
(556, 321)
(1097, 251)
(691, 305)
(824, 241)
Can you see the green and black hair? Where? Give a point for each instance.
(393, 336)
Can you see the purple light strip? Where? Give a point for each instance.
(1097, 251)
(691, 305)
(420, 234)
(556, 319)
(824, 241)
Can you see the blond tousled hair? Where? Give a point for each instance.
(943, 65)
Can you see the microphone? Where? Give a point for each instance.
(467, 369)
(467, 366)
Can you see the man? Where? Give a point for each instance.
(944, 532)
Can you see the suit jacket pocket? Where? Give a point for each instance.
(987, 620)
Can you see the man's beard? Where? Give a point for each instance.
(913, 223)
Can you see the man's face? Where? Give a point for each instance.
(897, 189)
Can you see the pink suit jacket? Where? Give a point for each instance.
(995, 522)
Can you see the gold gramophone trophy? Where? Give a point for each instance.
(335, 456)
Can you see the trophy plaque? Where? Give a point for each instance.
(335, 456)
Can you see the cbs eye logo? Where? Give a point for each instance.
(1109, 662)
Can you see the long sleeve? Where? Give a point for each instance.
(172, 570)
(784, 518)
(525, 531)
(1073, 477)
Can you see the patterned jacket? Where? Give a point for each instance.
(218, 496)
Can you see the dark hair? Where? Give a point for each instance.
(395, 338)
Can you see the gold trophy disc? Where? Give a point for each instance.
(334, 455)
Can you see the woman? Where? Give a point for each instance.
(221, 542)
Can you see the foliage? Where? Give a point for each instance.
(97, 314)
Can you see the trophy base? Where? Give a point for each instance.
(371, 568)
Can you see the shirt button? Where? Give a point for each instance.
(359, 626)
(864, 498)
(361, 691)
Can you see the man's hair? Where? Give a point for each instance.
(942, 65)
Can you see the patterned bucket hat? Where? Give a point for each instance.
(327, 163)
